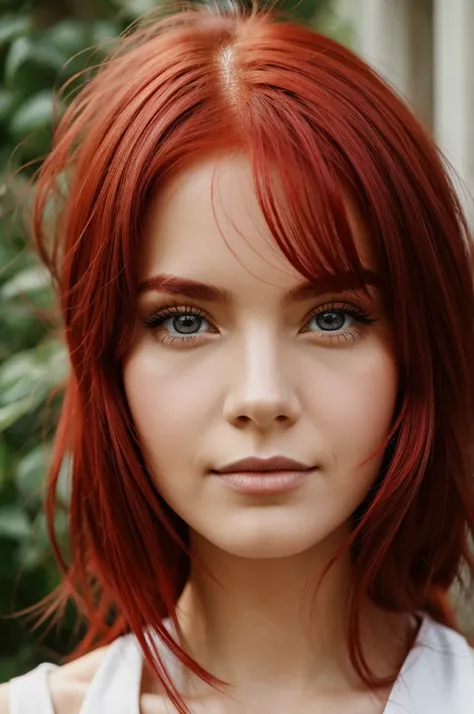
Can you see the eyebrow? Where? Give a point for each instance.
(195, 290)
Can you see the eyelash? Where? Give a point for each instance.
(156, 321)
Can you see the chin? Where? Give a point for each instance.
(264, 551)
(262, 544)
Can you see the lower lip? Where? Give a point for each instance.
(259, 482)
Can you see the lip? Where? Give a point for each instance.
(270, 482)
(275, 463)
(264, 476)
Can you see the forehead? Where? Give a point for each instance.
(206, 223)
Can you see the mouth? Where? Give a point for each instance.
(254, 464)
(277, 474)
(257, 482)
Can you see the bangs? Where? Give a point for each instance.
(311, 211)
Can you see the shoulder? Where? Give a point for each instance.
(446, 641)
(451, 663)
(67, 684)
(4, 698)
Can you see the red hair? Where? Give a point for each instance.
(198, 82)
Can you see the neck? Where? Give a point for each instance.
(256, 623)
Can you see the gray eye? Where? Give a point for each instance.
(186, 324)
(330, 320)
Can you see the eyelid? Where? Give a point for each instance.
(342, 305)
(175, 308)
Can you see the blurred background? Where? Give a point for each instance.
(423, 47)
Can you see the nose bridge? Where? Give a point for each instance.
(262, 389)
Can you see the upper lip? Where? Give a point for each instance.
(275, 463)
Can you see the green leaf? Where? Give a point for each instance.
(40, 531)
(18, 54)
(18, 377)
(68, 36)
(31, 374)
(48, 55)
(63, 488)
(14, 523)
(52, 356)
(30, 556)
(36, 113)
(13, 27)
(7, 103)
(3, 462)
(31, 470)
(61, 526)
(135, 7)
(41, 53)
(27, 281)
(104, 32)
(11, 413)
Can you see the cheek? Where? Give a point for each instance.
(360, 407)
(167, 402)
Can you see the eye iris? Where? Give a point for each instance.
(187, 324)
(330, 320)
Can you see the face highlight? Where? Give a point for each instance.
(235, 355)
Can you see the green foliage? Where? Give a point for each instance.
(42, 44)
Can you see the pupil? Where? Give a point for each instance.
(186, 324)
(331, 320)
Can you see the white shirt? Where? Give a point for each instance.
(437, 677)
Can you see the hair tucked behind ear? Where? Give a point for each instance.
(178, 88)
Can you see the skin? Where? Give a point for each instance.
(257, 378)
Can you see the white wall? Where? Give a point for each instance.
(424, 48)
(454, 99)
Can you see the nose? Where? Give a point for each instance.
(261, 395)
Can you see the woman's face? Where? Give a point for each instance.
(241, 366)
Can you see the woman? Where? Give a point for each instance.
(265, 280)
